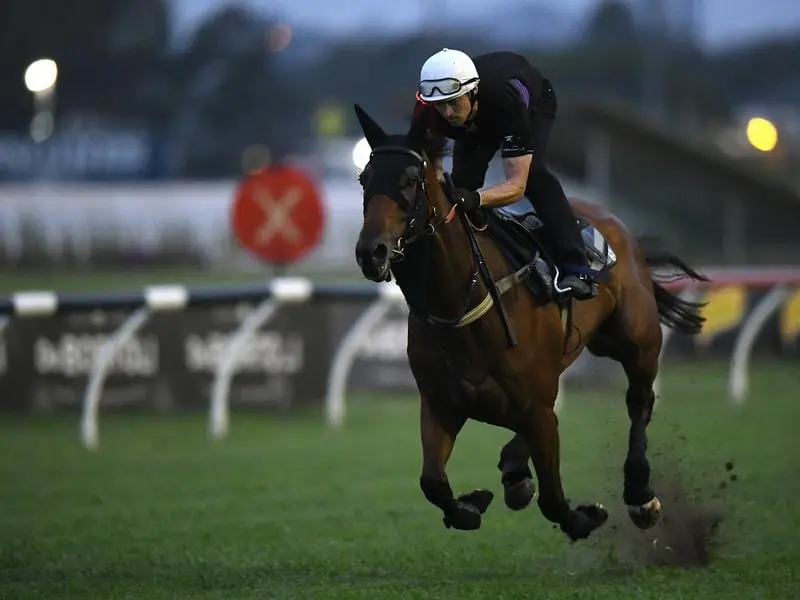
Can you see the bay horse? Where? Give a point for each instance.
(494, 352)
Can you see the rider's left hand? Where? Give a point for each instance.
(466, 199)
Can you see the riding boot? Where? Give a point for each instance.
(575, 275)
(581, 286)
(564, 238)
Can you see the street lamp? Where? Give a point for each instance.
(762, 134)
(40, 79)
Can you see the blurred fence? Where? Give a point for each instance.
(173, 357)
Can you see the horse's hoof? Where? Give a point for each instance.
(520, 494)
(465, 517)
(480, 499)
(584, 520)
(646, 515)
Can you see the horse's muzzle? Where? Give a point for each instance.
(372, 255)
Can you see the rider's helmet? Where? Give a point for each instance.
(446, 75)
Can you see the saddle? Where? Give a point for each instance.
(517, 236)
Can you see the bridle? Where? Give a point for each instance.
(419, 215)
(423, 221)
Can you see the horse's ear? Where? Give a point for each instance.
(372, 131)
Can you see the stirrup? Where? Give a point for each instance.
(591, 284)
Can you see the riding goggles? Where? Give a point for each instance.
(445, 87)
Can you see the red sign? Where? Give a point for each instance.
(278, 214)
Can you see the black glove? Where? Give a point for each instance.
(466, 199)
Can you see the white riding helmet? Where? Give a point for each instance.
(446, 75)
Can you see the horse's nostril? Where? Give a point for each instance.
(380, 252)
(363, 251)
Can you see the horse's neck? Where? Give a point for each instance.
(450, 262)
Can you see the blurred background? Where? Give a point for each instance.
(123, 147)
(126, 129)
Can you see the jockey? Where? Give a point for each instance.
(500, 102)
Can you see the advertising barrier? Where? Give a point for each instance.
(169, 364)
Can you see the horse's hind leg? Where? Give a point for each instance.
(517, 480)
(641, 368)
(439, 430)
(636, 343)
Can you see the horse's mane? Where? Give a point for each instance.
(435, 145)
(422, 139)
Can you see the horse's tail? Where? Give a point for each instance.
(675, 312)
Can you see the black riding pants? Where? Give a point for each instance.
(560, 234)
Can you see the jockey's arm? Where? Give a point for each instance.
(516, 151)
(516, 170)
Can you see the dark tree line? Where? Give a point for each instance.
(211, 97)
(224, 89)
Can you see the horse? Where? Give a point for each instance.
(488, 339)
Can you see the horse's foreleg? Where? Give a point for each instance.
(543, 440)
(516, 477)
(439, 432)
(438, 440)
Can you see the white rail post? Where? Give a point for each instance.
(156, 298)
(101, 365)
(739, 378)
(34, 304)
(389, 295)
(282, 290)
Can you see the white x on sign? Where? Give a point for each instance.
(276, 215)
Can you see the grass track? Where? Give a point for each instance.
(131, 280)
(287, 509)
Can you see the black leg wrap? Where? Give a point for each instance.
(514, 472)
(513, 463)
(637, 479)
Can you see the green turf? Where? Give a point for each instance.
(287, 509)
(121, 280)
(117, 280)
